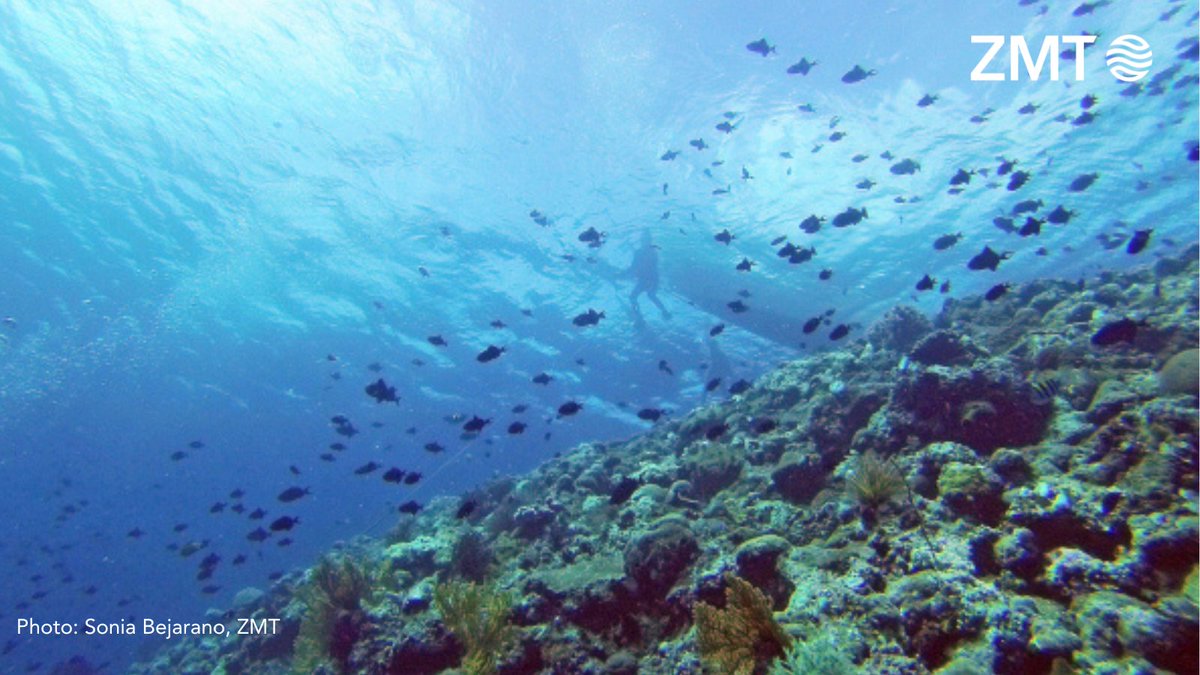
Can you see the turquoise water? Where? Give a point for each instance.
(205, 202)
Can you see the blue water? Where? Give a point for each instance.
(203, 202)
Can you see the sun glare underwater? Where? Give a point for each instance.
(610, 337)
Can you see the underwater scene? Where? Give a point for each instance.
(465, 336)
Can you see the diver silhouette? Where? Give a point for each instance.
(644, 270)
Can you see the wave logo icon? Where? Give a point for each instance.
(1129, 58)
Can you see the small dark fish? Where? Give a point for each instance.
(669, 155)
(857, 74)
(257, 514)
(746, 174)
(726, 127)
(927, 100)
(340, 447)
(1138, 242)
(539, 218)
(369, 467)
(295, 471)
(284, 523)
(476, 424)
(375, 367)
(761, 47)
(1085, 117)
(239, 559)
(466, 508)
(588, 318)
(434, 447)
(135, 533)
(258, 535)
(1027, 109)
(1045, 389)
(1113, 333)
(801, 67)
(490, 354)
(217, 507)
(516, 428)
(411, 507)
(1082, 182)
(1006, 166)
(698, 143)
(802, 255)
(779, 240)
(716, 330)
(812, 325)
(1060, 215)
(650, 414)
(721, 191)
(716, 431)
(381, 392)
(724, 237)
(412, 478)
(327, 457)
(739, 387)
(519, 408)
(712, 384)
(1032, 227)
(905, 167)
(590, 235)
(1088, 101)
(286, 541)
(851, 216)
(1017, 179)
(424, 272)
(811, 224)
(865, 184)
(1005, 224)
(996, 292)
(569, 408)
(196, 445)
(987, 259)
(825, 275)
(663, 366)
(1026, 206)
(238, 493)
(498, 324)
(745, 265)
(962, 177)
(737, 306)
(841, 331)
(946, 241)
(292, 494)
(542, 378)
(926, 283)
(394, 475)
(178, 455)
(806, 108)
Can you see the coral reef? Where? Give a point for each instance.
(984, 490)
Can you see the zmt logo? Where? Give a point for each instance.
(1019, 54)
(1129, 57)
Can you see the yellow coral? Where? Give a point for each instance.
(735, 640)
(478, 617)
(337, 584)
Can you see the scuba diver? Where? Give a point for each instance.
(644, 270)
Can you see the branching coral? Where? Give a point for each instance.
(478, 617)
(743, 635)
